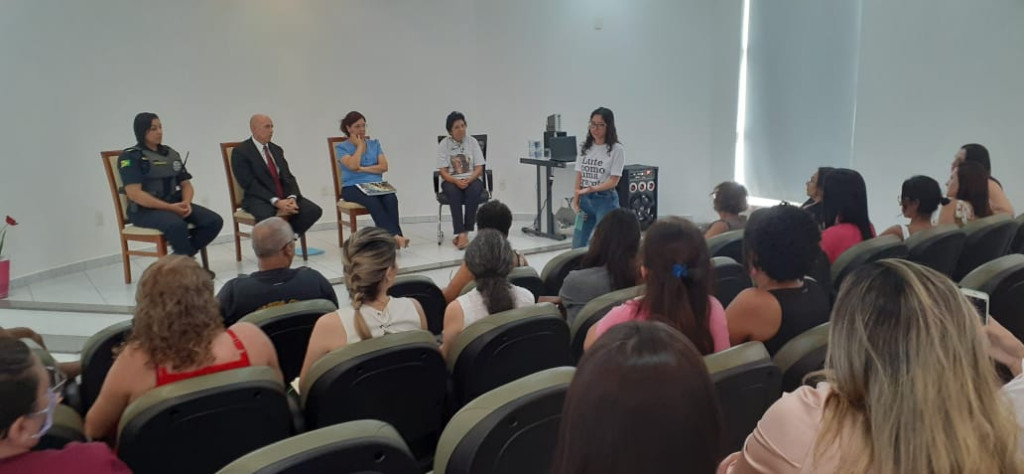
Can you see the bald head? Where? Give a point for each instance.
(270, 236)
(262, 128)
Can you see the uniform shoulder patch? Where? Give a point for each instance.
(126, 163)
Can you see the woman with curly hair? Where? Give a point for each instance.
(177, 333)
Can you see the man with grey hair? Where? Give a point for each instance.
(275, 283)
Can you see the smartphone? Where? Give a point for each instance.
(980, 302)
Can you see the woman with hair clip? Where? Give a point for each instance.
(598, 168)
(908, 388)
(975, 153)
(608, 265)
(920, 198)
(676, 269)
(177, 334)
(369, 259)
(967, 193)
(641, 402)
(489, 258)
(460, 162)
(845, 207)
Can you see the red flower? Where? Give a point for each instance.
(11, 221)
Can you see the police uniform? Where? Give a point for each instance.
(161, 173)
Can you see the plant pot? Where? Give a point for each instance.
(5, 277)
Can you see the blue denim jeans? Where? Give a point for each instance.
(593, 207)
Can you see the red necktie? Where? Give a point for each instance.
(273, 172)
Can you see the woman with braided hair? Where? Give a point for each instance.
(368, 257)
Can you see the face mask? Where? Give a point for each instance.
(48, 411)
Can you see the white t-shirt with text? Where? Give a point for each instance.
(598, 164)
(460, 158)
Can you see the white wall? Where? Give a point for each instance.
(75, 73)
(934, 75)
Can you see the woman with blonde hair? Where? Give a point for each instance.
(909, 388)
(369, 258)
(177, 333)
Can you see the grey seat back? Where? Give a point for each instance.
(425, 291)
(987, 239)
(802, 355)
(727, 244)
(400, 379)
(203, 423)
(97, 357)
(593, 311)
(289, 326)
(511, 429)
(1003, 280)
(558, 268)
(507, 346)
(878, 248)
(747, 383)
(938, 248)
(731, 277)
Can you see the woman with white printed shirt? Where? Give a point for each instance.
(460, 161)
(598, 169)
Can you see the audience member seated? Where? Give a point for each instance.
(641, 402)
(920, 198)
(967, 191)
(976, 153)
(177, 334)
(730, 199)
(780, 246)
(908, 388)
(490, 259)
(369, 258)
(492, 215)
(29, 393)
(675, 265)
(1007, 350)
(362, 161)
(845, 207)
(608, 265)
(70, 369)
(461, 162)
(813, 203)
(276, 283)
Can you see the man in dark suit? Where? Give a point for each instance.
(270, 188)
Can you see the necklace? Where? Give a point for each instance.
(381, 316)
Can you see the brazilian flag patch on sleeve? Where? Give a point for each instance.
(126, 163)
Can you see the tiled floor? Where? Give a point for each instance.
(87, 301)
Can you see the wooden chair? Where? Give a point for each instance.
(129, 231)
(239, 215)
(351, 209)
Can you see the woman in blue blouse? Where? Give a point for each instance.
(363, 161)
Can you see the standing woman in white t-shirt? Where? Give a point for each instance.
(598, 169)
(460, 161)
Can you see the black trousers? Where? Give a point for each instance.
(383, 209)
(175, 228)
(308, 214)
(470, 197)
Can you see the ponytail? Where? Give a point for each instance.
(367, 256)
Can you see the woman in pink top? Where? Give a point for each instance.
(845, 210)
(676, 269)
(908, 388)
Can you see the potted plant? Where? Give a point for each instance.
(5, 264)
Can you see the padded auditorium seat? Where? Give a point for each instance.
(747, 383)
(727, 244)
(399, 378)
(558, 268)
(68, 427)
(987, 239)
(506, 346)
(523, 277)
(937, 248)
(593, 311)
(364, 446)
(1017, 246)
(1003, 280)
(289, 326)
(425, 291)
(97, 357)
(512, 429)
(802, 355)
(878, 248)
(730, 279)
(204, 423)
(821, 271)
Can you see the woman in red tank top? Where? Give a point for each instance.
(177, 334)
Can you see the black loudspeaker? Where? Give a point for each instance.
(638, 191)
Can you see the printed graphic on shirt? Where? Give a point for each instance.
(459, 164)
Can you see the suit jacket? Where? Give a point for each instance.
(253, 176)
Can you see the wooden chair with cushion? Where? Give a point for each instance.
(350, 209)
(127, 231)
(239, 215)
